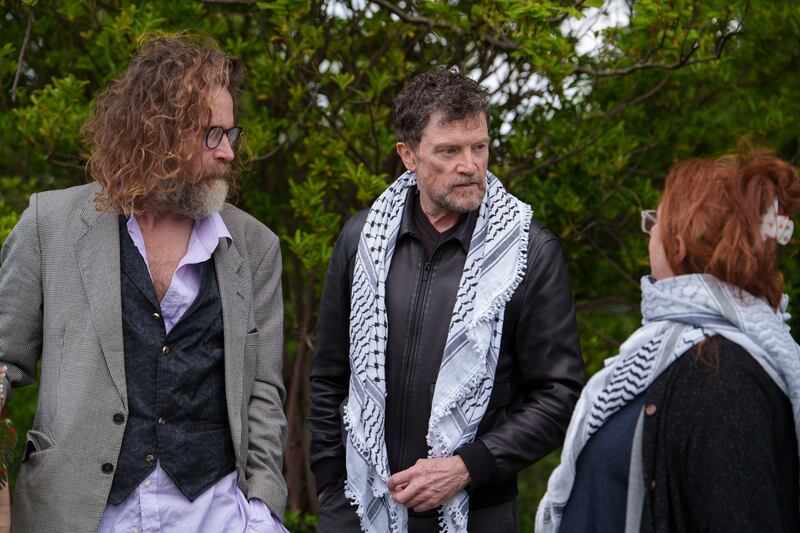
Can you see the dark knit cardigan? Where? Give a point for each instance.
(719, 447)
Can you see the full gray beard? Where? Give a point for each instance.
(194, 199)
(197, 201)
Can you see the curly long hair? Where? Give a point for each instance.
(145, 132)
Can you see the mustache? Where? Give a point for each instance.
(219, 171)
(462, 179)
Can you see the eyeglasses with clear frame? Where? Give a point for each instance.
(649, 219)
(215, 134)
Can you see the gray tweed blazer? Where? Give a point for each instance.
(60, 304)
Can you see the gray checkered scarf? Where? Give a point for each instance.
(494, 267)
(678, 313)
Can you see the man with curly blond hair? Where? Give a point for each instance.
(155, 311)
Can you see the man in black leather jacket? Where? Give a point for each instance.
(441, 119)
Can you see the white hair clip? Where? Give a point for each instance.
(775, 226)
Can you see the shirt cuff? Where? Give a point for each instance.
(328, 471)
(479, 462)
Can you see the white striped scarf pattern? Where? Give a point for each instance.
(494, 267)
(636, 370)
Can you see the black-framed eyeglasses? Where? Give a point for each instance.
(215, 134)
(649, 219)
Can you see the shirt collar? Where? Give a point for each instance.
(209, 231)
(203, 241)
(462, 232)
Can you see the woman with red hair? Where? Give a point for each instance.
(694, 425)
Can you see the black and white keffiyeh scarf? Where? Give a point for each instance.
(494, 267)
(678, 313)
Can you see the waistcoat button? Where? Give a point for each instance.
(149, 459)
(107, 468)
(119, 418)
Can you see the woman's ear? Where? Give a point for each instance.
(680, 249)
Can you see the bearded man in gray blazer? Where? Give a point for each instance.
(155, 309)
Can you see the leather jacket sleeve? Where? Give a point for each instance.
(330, 371)
(548, 365)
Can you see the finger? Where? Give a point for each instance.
(407, 494)
(401, 478)
(398, 488)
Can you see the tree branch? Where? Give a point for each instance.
(606, 301)
(612, 343)
(569, 153)
(500, 43)
(563, 16)
(622, 272)
(21, 60)
(685, 61)
(634, 101)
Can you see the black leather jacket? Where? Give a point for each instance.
(539, 372)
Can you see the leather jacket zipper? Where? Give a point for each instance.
(411, 349)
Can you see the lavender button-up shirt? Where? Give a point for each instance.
(156, 505)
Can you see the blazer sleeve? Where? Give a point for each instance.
(265, 416)
(21, 300)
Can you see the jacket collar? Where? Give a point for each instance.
(408, 226)
(97, 251)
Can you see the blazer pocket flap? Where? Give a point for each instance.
(35, 442)
(251, 340)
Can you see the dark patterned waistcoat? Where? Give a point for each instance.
(176, 385)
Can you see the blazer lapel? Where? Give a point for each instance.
(235, 292)
(97, 251)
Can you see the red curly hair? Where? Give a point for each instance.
(716, 207)
(144, 132)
